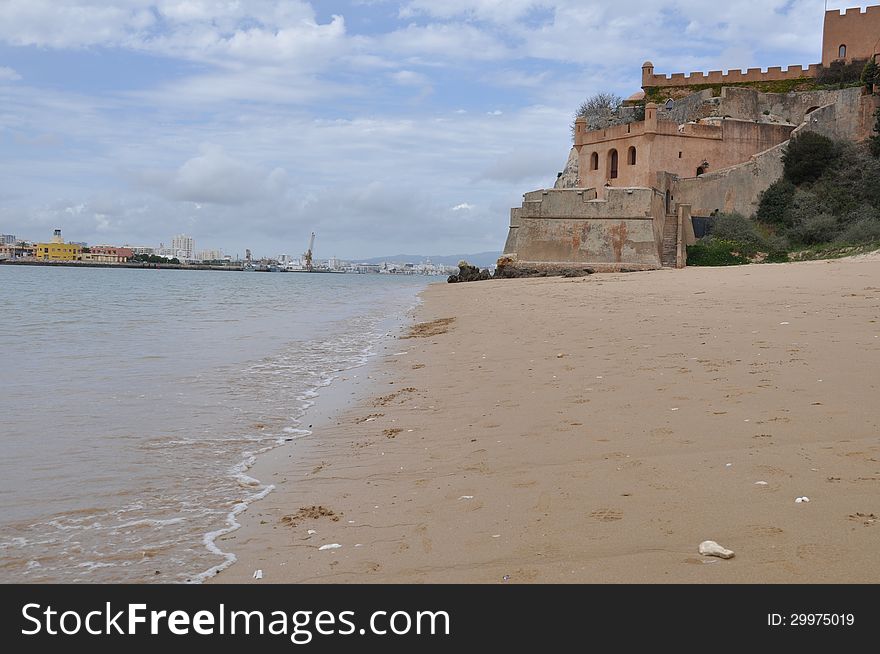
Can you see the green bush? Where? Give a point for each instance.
(864, 231)
(777, 249)
(807, 156)
(738, 229)
(715, 252)
(828, 199)
(775, 202)
(841, 73)
(815, 228)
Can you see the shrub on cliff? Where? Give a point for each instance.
(775, 202)
(815, 228)
(738, 229)
(807, 156)
(863, 227)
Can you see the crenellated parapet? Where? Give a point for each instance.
(751, 75)
(851, 35)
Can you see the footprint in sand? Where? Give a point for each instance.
(765, 530)
(607, 515)
(866, 519)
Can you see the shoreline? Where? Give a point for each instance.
(341, 390)
(597, 430)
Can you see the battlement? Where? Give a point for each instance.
(703, 130)
(851, 35)
(851, 13)
(772, 74)
(585, 136)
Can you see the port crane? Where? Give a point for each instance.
(307, 257)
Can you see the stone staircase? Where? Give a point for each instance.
(670, 241)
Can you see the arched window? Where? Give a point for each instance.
(631, 156)
(594, 161)
(841, 52)
(612, 164)
(700, 171)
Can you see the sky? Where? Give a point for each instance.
(383, 126)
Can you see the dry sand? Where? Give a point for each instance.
(597, 430)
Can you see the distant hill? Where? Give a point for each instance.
(481, 259)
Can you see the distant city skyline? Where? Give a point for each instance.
(383, 126)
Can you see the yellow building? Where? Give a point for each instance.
(58, 250)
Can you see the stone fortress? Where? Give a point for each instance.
(706, 143)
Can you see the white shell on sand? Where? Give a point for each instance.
(802, 499)
(258, 574)
(331, 546)
(711, 548)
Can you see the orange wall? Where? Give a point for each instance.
(772, 74)
(859, 31)
(668, 150)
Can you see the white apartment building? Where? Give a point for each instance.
(183, 246)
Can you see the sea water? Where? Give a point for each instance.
(133, 402)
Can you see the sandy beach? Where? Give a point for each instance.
(597, 430)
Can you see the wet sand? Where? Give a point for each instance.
(597, 430)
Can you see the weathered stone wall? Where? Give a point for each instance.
(693, 107)
(849, 117)
(732, 190)
(565, 227)
(738, 188)
(748, 104)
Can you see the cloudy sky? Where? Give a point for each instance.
(384, 126)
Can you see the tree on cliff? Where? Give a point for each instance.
(807, 156)
(599, 106)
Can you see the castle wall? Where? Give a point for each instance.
(849, 116)
(747, 104)
(772, 74)
(733, 190)
(564, 227)
(681, 150)
(858, 30)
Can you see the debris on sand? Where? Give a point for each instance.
(309, 513)
(711, 548)
(430, 328)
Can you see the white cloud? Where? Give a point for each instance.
(215, 177)
(409, 78)
(464, 206)
(8, 74)
(445, 42)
